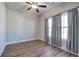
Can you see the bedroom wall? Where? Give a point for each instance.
(20, 25)
(2, 26)
(16, 26)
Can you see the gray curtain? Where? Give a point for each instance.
(53, 29)
(46, 31)
(73, 30)
(56, 30)
(72, 42)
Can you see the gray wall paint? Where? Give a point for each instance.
(2, 27)
(20, 25)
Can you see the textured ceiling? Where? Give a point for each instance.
(22, 6)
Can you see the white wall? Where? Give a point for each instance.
(2, 27)
(16, 26)
(20, 25)
(55, 10)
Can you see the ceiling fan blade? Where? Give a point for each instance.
(37, 10)
(43, 6)
(28, 3)
(29, 8)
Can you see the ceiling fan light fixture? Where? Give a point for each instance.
(34, 6)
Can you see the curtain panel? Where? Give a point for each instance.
(56, 30)
(72, 42)
(73, 30)
(46, 38)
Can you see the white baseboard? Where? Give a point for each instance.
(7, 43)
(41, 39)
(2, 49)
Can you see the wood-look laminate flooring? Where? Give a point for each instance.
(35, 48)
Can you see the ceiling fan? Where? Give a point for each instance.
(34, 5)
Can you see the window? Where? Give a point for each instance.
(50, 29)
(49, 26)
(64, 26)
